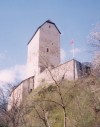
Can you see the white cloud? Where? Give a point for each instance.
(13, 74)
(76, 50)
(63, 55)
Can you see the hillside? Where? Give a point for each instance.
(81, 99)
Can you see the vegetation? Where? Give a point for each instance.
(43, 107)
(94, 40)
(81, 99)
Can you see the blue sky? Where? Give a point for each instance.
(20, 18)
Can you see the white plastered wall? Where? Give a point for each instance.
(33, 56)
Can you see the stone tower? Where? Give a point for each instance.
(43, 49)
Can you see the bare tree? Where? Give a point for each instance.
(14, 116)
(94, 37)
(62, 103)
(94, 40)
(39, 112)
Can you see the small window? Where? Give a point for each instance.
(49, 26)
(30, 90)
(47, 50)
(52, 43)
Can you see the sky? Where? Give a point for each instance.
(19, 19)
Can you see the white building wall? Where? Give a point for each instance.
(20, 92)
(33, 55)
(16, 97)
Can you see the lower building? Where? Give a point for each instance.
(70, 70)
(43, 63)
(19, 92)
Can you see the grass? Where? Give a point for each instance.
(79, 98)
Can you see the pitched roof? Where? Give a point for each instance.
(48, 21)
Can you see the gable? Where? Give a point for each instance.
(48, 21)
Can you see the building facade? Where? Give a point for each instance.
(43, 63)
(43, 49)
(20, 92)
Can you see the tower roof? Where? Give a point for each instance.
(48, 21)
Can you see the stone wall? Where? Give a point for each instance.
(16, 97)
(69, 70)
(49, 46)
(44, 46)
(21, 91)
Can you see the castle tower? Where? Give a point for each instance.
(43, 48)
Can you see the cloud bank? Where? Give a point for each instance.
(13, 74)
(63, 54)
(76, 50)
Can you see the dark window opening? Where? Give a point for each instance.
(47, 50)
(88, 70)
(49, 26)
(80, 66)
(30, 90)
(42, 69)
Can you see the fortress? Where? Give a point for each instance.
(43, 60)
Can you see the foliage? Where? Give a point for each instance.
(42, 107)
(80, 99)
(94, 40)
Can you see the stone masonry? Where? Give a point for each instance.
(43, 62)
